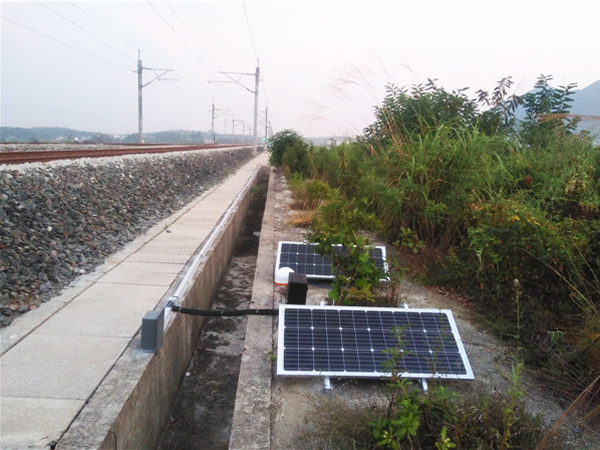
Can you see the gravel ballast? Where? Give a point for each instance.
(60, 220)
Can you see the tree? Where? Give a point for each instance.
(546, 111)
(424, 108)
(282, 141)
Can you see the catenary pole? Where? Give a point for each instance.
(140, 69)
(213, 122)
(140, 109)
(266, 123)
(256, 82)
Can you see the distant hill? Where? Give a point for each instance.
(56, 134)
(587, 103)
(587, 100)
(51, 134)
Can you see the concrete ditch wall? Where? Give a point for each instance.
(131, 407)
(251, 427)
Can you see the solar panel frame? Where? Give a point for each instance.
(321, 341)
(302, 258)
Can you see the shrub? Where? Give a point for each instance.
(437, 419)
(339, 223)
(280, 143)
(297, 160)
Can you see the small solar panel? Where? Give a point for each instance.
(349, 341)
(303, 258)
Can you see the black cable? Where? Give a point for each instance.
(225, 312)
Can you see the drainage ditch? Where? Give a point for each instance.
(201, 414)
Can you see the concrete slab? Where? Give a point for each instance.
(148, 254)
(45, 348)
(51, 380)
(189, 226)
(194, 239)
(104, 297)
(163, 246)
(150, 266)
(29, 423)
(138, 277)
(81, 321)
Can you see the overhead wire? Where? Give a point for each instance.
(195, 40)
(172, 28)
(134, 46)
(67, 45)
(250, 30)
(255, 52)
(103, 25)
(175, 32)
(206, 98)
(84, 30)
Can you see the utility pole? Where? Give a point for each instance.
(140, 109)
(233, 131)
(213, 120)
(255, 92)
(256, 81)
(266, 124)
(140, 69)
(212, 126)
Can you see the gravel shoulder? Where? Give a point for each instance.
(61, 220)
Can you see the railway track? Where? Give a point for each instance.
(46, 154)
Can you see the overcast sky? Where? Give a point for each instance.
(324, 65)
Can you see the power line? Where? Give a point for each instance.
(115, 33)
(103, 26)
(195, 40)
(250, 30)
(85, 31)
(172, 28)
(175, 32)
(65, 44)
(183, 42)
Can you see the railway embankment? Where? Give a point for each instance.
(62, 219)
(75, 374)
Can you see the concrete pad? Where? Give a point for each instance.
(34, 423)
(148, 255)
(45, 348)
(196, 223)
(188, 226)
(80, 321)
(23, 325)
(146, 278)
(129, 297)
(193, 240)
(51, 380)
(163, 246)
(150, 266)
(202, 214)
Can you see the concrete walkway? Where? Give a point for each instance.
(55, 357)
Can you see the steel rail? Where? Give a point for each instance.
(22, 157)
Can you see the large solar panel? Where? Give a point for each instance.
(349, 341)
(303, 258)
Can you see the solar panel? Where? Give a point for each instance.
(303, 258)
(350, 341)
